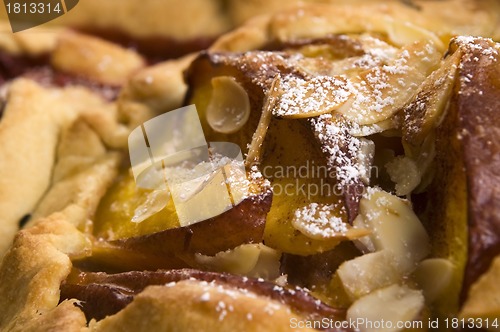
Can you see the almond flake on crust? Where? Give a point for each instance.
(302, 98)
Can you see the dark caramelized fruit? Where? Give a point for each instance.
(105, 294)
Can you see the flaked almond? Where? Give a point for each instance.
(392, 305)
(375, 128)
(255, 148)
(251, 260)
(229, 107)
(369, 272)
(384, 90)
(394, 227)
(426, 109)
(375, 52)
(402, 32)
(434, 276)
(306, 98)
(325, 221)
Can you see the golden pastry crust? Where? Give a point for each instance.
(211, 307)
(36, 41)
(179, 19)
(95, 59)
(65, 317)
(454, 17)
(153, 90)
(82, 169)
(194, 19)
(176, 19)
(33, 268)
(27, 175)
(443, 18)
(84, 187)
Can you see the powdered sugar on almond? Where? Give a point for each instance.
(319, 220)
(318, 95)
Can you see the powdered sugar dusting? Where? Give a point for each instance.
(474, 44)
(319, 220)
(377, 53)
(482, 51)
(374, 92)
(383, 90)
(261, 66)
(318, 95)
(226, 304)
(340, 148)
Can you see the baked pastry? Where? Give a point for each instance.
(366, 159)
(439, 16)
(172, 28)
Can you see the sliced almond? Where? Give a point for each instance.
(306, 98)
(426, 109)
(376, 128)
(384, 90)
(325, 221)
(391, 305)
(404, 33)
(434, 276)
(229, 107)
(251, 260)
(255, 148)
(367, 273)
(394, 226)
(377, 52)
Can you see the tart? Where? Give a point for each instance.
(368, 140)
(173, 27)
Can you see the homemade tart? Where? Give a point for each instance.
(172, 28)
(370, 142)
